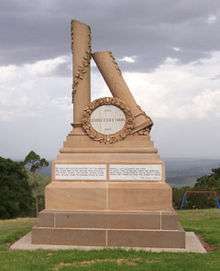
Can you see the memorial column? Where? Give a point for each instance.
(81, 50)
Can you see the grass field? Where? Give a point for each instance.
(206, 223)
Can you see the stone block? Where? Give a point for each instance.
(169, 221)
(70, 196)
(76, 237)
(45, 219)
(141, 238)
(142, 196)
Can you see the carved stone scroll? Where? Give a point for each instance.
(81, 49)
(118, 87)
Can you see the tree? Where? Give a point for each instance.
(15, 194)
(209, 182)
(33, 163)
(204, 194)
(200, 200)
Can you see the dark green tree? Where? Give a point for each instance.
(15, 194)
(203, 194)
(34, 163)
(200, 201)
(209, 182)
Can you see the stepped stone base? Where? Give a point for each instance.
(108, 213)
(109, 229)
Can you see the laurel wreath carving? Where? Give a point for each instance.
(115, 62)
(112, 138)
(83, 68)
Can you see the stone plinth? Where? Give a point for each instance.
(104, 212)
(109, 229)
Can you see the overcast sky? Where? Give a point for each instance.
(168, 50)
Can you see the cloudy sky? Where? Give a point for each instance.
(168, 50)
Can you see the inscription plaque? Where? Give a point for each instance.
(118, 172)
(135, 172)
(80, 172)
(107, 119)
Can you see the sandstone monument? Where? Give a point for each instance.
(108, 185)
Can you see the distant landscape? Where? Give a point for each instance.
(180, 171)
(185, 171)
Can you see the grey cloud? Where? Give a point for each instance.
(33, 30)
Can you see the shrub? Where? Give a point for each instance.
(15, 194)
(200, 201)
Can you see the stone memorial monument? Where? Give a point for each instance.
(108, 185)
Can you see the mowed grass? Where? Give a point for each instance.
(206, 223)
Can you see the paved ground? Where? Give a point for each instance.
(193, 244)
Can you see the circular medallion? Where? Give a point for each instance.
(107, 120)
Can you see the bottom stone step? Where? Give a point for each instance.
(109, 238)
(161, 220)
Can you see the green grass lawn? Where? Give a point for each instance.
(204, 222)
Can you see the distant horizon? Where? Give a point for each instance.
(162, 158)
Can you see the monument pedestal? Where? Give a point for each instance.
(109, 213)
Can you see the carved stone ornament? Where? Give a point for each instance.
(108, 138)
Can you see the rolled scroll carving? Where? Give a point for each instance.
(118, 87)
